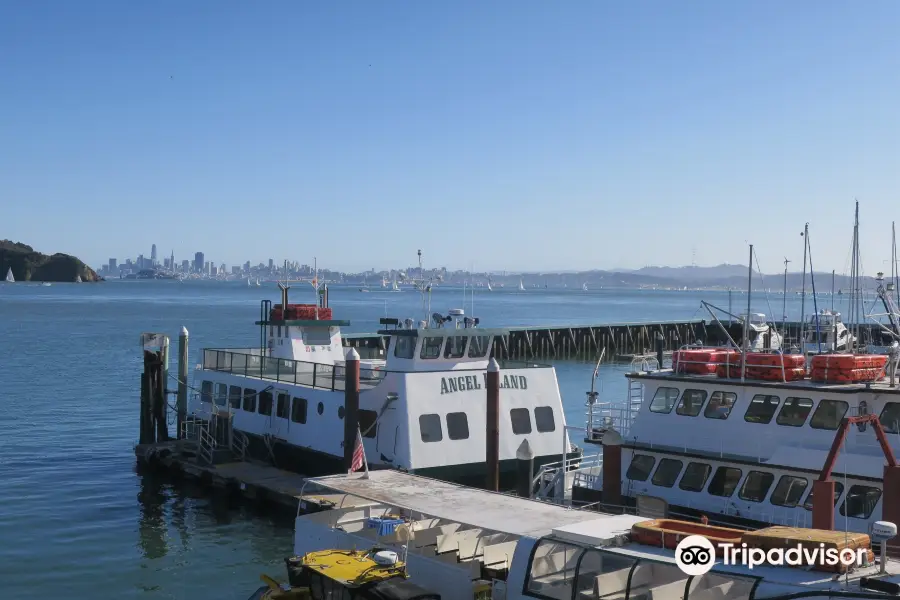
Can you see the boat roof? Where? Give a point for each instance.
(444, 331)
(479, 508)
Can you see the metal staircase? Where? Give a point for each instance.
(201, 437)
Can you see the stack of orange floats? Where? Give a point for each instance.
(848, 368)
(299, 312)
(702, 361)
(768, 367)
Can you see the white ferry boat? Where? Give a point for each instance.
(422, 408)
(394, 536)
(746, 444)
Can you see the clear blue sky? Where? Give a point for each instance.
(504, 135)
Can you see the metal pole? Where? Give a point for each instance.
(181, 399)
(351, 405)
(746, 343)
(784, 299)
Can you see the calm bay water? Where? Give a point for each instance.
(76, 521)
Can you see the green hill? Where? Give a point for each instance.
(28, 265)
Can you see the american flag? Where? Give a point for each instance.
(359, 455)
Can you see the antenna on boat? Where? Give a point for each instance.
(784, 298)
(745, 345)
(315, 283)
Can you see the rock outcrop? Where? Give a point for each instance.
(28, 265)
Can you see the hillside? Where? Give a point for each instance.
(29, 265)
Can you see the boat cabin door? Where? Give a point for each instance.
(386, 436)
(279, 421)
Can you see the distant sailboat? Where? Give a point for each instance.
(490, 289)
(248, 282)
(78, 279)
(9, 276)
(584, 287)
(383, 282)
(257, 282)
(395, 287)
(521, 285)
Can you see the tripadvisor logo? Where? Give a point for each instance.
(696, 555)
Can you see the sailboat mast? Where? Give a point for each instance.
(746, 344)
(803, 293)
(895, 275)
(854, 279)
(784, 298)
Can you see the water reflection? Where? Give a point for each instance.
(152, 529)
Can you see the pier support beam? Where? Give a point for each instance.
(612, 467)
(181, 399)
(823, 505)
(525, 476)
(351, 405)
(492, 438)
(890, 503)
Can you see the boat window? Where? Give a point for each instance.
(265, 403)
(695, 476)
(890, 417)
(552, 570)
(667, 472)
(794, 411)
(430, 428)
(656, 580)
(724, 482)
(602, 572)
(234, 396)
(283, 406)
(860, 502)
(756, 486)
(221, 394)
(249, 400)
(762, 408)
(691, 402)
(789, 491)
(829, 414)
(521, 420)
(720, 405)
(640, 467)
(405, 346)
(457, 426)
(543, 419)
(317, 336)
(479, 346)
(456, 346)
(298, 410)
(367, 419)
(206, 389)
(664, 400)
(431, 347)
(320, 408)
(838, 490)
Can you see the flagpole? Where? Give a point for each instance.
(365, 460)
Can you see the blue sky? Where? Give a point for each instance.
(499, 135)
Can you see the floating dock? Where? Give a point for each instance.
(621, 341)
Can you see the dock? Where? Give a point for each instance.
(254, 482)
(621, 341)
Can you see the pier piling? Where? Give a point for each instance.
(492, 441)
(525, 477)
(351, 405)
(181, 399)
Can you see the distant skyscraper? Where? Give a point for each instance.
(271, 264)
(198, 262)
(153, 253)
(113, 264)
(185, 266)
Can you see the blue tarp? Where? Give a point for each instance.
(384, 525)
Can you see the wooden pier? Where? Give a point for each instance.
(251, 481)
(621, 341)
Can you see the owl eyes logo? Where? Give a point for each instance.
(695, 555)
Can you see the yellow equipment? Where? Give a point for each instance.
(377, 574)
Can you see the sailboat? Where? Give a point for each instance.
(9, 276)
(257, 282)
(78, 279)
(584, 287)
(248, 282)
(394, 286)
(383, 281)
(490, 289)
(521, 285)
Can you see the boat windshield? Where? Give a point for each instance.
(561, 570)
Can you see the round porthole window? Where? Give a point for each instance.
(321, 408)
(340, 412)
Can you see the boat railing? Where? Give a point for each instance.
(249, 363)
(601, 417)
